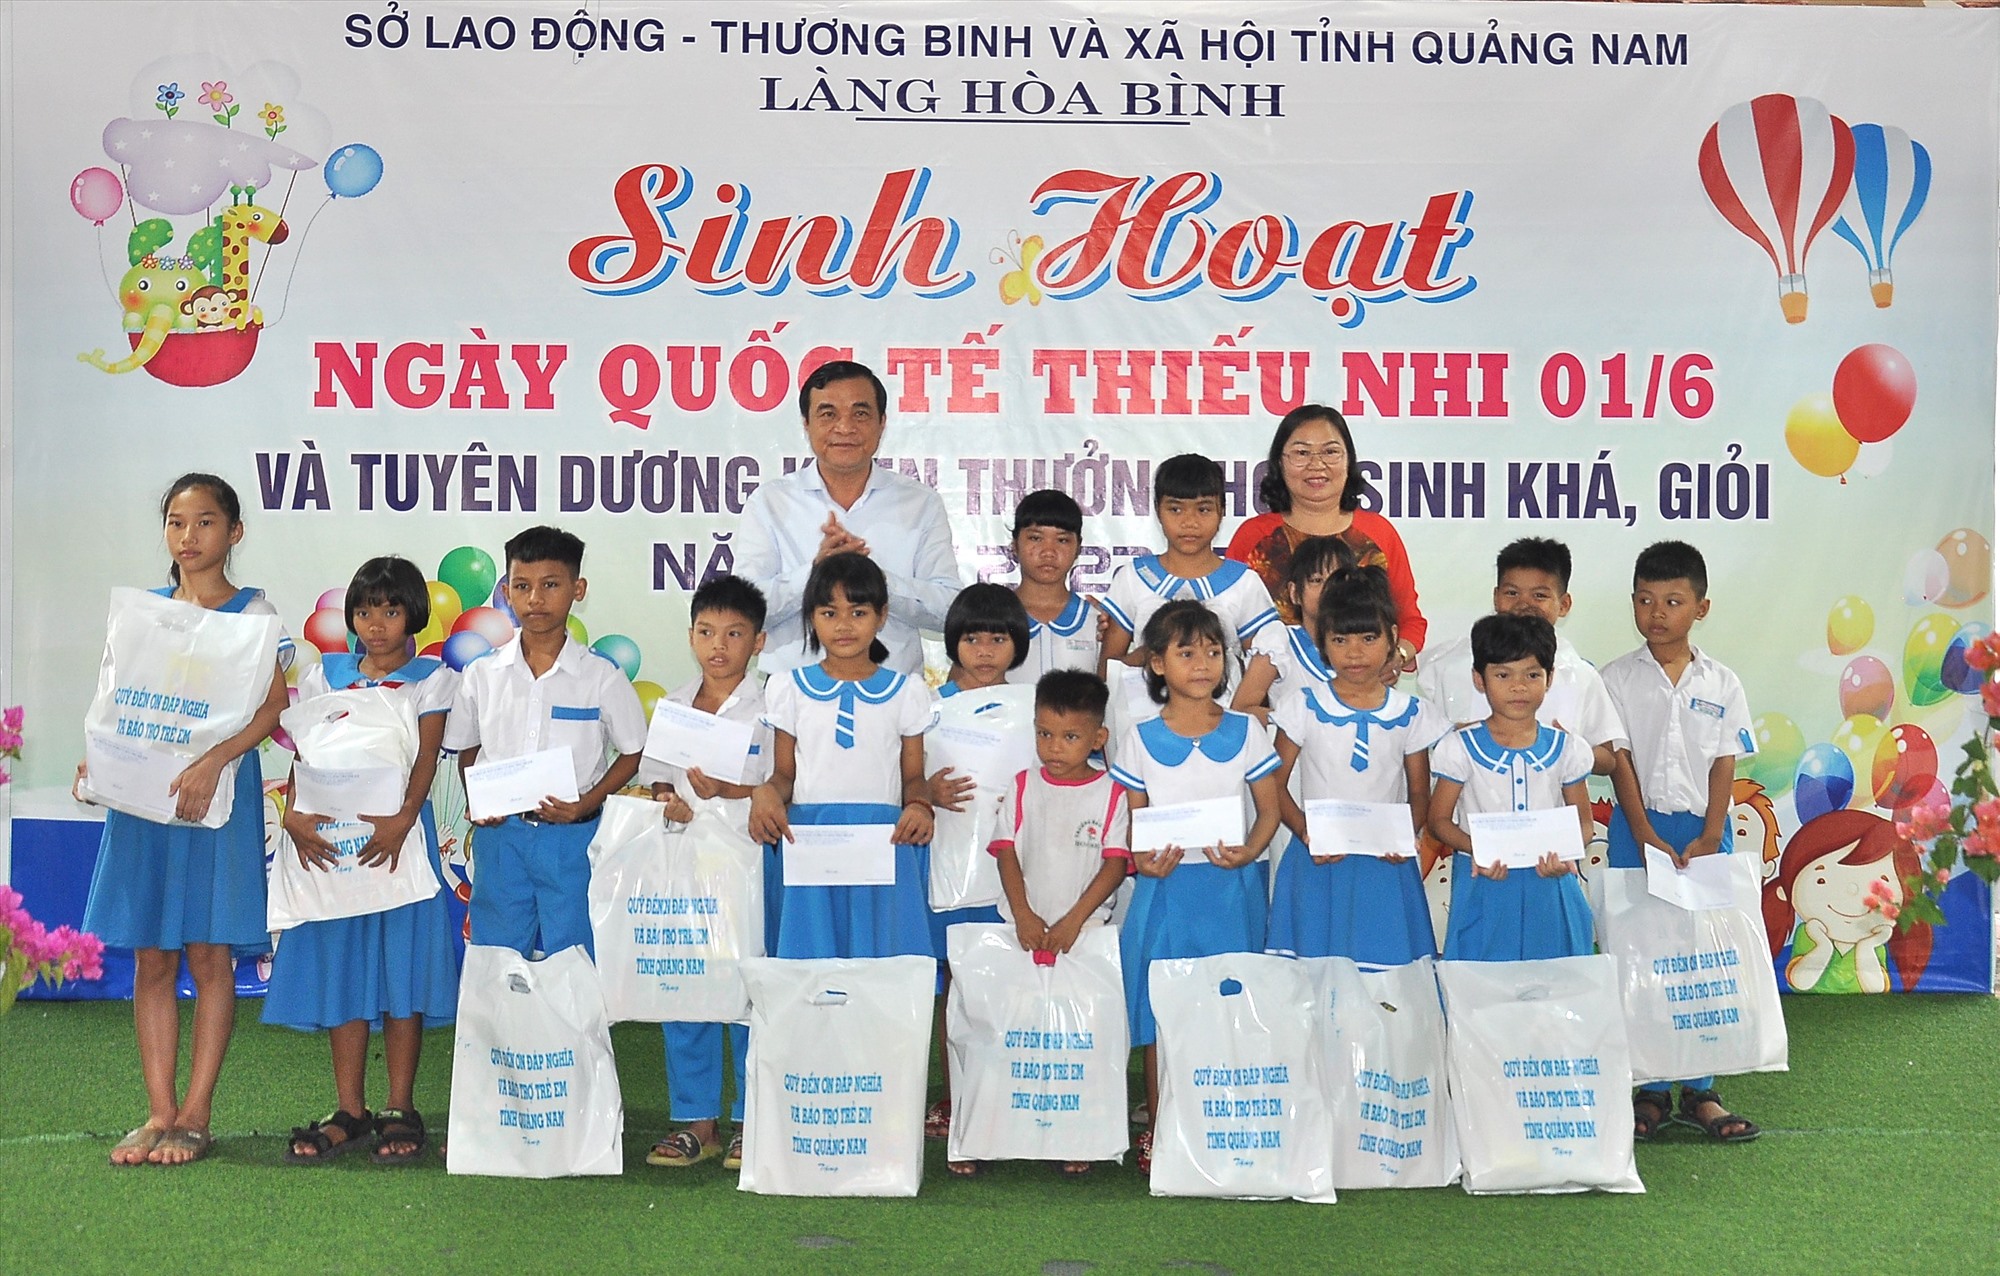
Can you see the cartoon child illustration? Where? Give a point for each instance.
(1820, 901)
(1756, 824)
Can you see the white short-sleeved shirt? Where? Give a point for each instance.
(745, 704)
(848, 735)
(259, 605)
(1577, 700)
(1498, 779)
(583, 703)
(1355, 754)
(1291, 651)
(1232, 591)
(1678, 730)
(1062, 831)
(1172, 768)
(429, 685)
(1067, 642)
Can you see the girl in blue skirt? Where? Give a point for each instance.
(1356, 740)
(164, 890)
(848, 748)
(1191, 901)
(398, 968)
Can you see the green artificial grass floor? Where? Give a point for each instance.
(1881, 1154)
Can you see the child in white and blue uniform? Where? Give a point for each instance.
(396, 969)
(1285, 657)
(1356, 740)
(1064, 630)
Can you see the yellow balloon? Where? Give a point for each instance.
(1849, 625)
(433, 632)
(1817, 439)
(649, 695)
(445, 607)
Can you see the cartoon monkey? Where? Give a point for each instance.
(209, 306)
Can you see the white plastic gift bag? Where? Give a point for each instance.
(987, 735)
(1242, 1104)
(1038, 1048)
(674, 911)
(175, 681)
(1541, 1082)
(1382, 1038)
(357, 733)
(838, 1053)
(534, 1091)
(1699, 991)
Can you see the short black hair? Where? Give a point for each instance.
(1318, 556)
(854, 575)
(390, 581)
(1504, 637)
(1187, 477)
(1183, 620)
(1073, 691)
(1672, 560)
(546, 545)
(1355, 600)
(987, 608)
(1047, 507)
(217, 487)
(842, 370)
(729, 593)
(1537, 554)
(1271, 488)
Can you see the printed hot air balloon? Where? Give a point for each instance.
(1892, 177)
(1776, 168)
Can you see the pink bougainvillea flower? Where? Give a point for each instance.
(13, 718)
(1989, 698)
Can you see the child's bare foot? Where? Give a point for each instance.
(181, 1145)
(137, 1147)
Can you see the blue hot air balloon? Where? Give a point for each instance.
(1892, 176)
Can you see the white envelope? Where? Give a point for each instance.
(132, 775)
(509, 786)
(1519, 839)
(1705, 883)
(841, 855)
(1137, 699)
(345, 794)
(683, 736)
(1189, 825)
(1337, 827)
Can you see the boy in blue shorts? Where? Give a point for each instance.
(544, 690)
(1688, 720)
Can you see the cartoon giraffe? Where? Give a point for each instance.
(241, 222)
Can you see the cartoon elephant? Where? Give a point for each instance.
(152, 293)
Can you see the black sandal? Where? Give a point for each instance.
(399, 1125)
(1691, 1101)
(324, 1148)
(1659, 1103)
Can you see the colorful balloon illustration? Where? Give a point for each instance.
(1906, 762)
(576, 629)
(1872, 461)
(649, 695)
(1858, 737)
(326, 629)
(1953, 672)
(334, 598)
(1874, 389)
(1968, 560)
(445, 605)
(1776, 168)
(1892, 178)
(489, 624)
(1815, 438)
(96, 194)
(500, 604)
(1923, 659)
(470, 572)
(620, 651)
(1925, 577)
(1825, 782)
(1780, 744)
(352, 170)
(1850, 623)
(1867, 687)
(464, 647)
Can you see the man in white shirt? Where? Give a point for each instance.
(843, 502)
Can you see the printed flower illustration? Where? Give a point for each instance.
(274, 120)
(170, 99)
(215, 95)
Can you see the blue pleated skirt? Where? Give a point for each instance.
(1522, 917)
(1367, 909)
(1198, 910)
(857, 921)
(393, 964)
(170, 885)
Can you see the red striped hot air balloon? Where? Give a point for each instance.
(1776, 167)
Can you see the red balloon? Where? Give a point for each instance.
(488, 623)
(1906, 763)
(327, 630)
(1873, 391)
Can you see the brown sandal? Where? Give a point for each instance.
(1659, 1104)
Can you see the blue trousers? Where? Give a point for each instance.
(531, 886)
(1677, 829)
(694, 1069)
